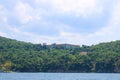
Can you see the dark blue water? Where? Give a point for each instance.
(59, 76)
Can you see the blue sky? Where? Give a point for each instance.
(60, 21)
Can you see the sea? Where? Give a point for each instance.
(59, 76)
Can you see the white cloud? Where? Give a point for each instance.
(64, 37)
(74, 38)
(3, 34)
(111, 31)
(82, 8)
(22, 10)
(5, 19)
(76, 7)
(3, 14)
(115, 18)
(25, 12)
(29, 36)
(1, 9)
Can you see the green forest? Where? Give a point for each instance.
(18, 56)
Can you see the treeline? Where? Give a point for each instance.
(27, 57)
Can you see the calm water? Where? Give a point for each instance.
(58, 76)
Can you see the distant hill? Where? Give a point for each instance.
(28, 57)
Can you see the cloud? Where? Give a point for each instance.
(1, 8)
(25, 12)
(3, 14)
(61, 21)
(73, 38)
(112, 30)
(3, 34)
(23, 9)
(81, 8)
(63, 37)
(29, 36)
(115, 18)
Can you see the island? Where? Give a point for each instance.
(19, 56)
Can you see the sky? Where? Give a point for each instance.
(78, 22)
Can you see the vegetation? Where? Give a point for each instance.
(27, 57)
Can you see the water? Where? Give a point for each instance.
(59, 76)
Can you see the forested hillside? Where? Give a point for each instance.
(27, 57)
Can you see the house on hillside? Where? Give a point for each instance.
(83, 53)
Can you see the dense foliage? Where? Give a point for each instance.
(27, 57)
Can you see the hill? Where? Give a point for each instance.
(27, 57)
